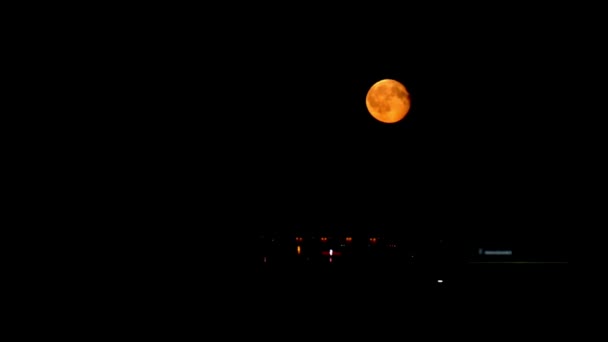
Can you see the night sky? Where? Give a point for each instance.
(266, 126)
(478, 149)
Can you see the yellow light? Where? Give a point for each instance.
(299, 250)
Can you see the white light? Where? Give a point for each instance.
(331, 252)
(499, 252)
(440, 281)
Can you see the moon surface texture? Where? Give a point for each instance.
(388, 101)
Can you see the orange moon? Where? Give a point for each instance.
(388, 101)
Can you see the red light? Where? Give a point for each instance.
(349, 239)
(335, 253)
(324, 239)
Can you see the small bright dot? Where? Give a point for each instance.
(331, 252)
(440, 281)
(264, 259)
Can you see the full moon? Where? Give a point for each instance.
(388, 101)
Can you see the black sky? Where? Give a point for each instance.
(269, 125)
